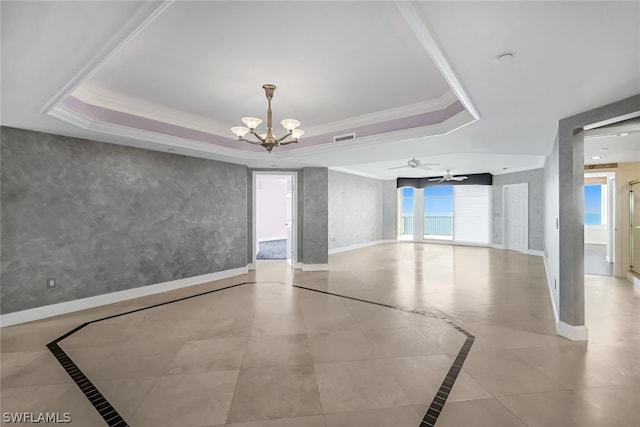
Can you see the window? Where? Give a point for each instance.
(406, 222)
(595, 204)
(438, 212)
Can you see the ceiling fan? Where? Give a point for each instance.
(448, 177)
(415, 163)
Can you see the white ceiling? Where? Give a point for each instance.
(203, 64)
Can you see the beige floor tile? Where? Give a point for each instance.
(360, 385)
(479, 413)
(213, 354)
(400, 342)
(190, 400)
(502, 373)
(135, 359)
(467, 388)
(574, 366)
(79, 409)
(339, 346)
(619, 401)
(125, 395)
(31, 398)
(277, 325)
(431, 371)
(311, 421)
(563, 408)
(43, 370)
(274, 392)
(10, 362)
(277, 351)
(403, 416)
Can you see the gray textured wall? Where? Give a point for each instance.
(102, 218)
(535, 179)
(315, 223)
(389, 210)
(355, 209)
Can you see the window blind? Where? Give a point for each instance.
(472, 214)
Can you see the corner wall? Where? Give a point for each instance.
(355, 209)
(101, 218)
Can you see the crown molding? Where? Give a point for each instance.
(429, 106)
(163, 141)
(452, 124)
(148, 12)
(150, 110)
(417, 22)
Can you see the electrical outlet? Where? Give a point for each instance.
(51, 283)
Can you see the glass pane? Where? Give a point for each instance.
(592, 204)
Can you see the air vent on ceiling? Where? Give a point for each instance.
(602, 166)
(346, 137)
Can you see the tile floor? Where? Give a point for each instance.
(271, 355)
(595, 260)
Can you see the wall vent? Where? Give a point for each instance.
(602, 166)
(347, 137)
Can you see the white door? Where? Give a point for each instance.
(289, 224)
(516, 216)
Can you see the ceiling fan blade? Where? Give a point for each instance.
(424, 168)
(429, 164)
(436, 179)
(399, 167)
(459, 178)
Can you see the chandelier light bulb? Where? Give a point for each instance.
(240, 131)
(290, 124)
(251, 122)
(296, 134)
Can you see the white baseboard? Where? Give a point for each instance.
(298, 265)
(594, 242)
(359, 246)
(113, 297)
(251, 266)
(315, 267)
(574, 333)
(633, 279)
(497, 246)
(535, 252)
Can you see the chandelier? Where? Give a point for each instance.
(268, 140)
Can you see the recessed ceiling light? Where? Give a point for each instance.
(596, 158)
(504, 57)
(604, 149)
(623, 134)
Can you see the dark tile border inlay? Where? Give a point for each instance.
(113, 419)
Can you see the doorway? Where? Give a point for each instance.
(274, 216)
(515, 205)
(599, 220)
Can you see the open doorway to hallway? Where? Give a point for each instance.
(274, 212)
(599, 223)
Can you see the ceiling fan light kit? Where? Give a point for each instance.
(268, 140)
(415, 163)
(447, 177)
